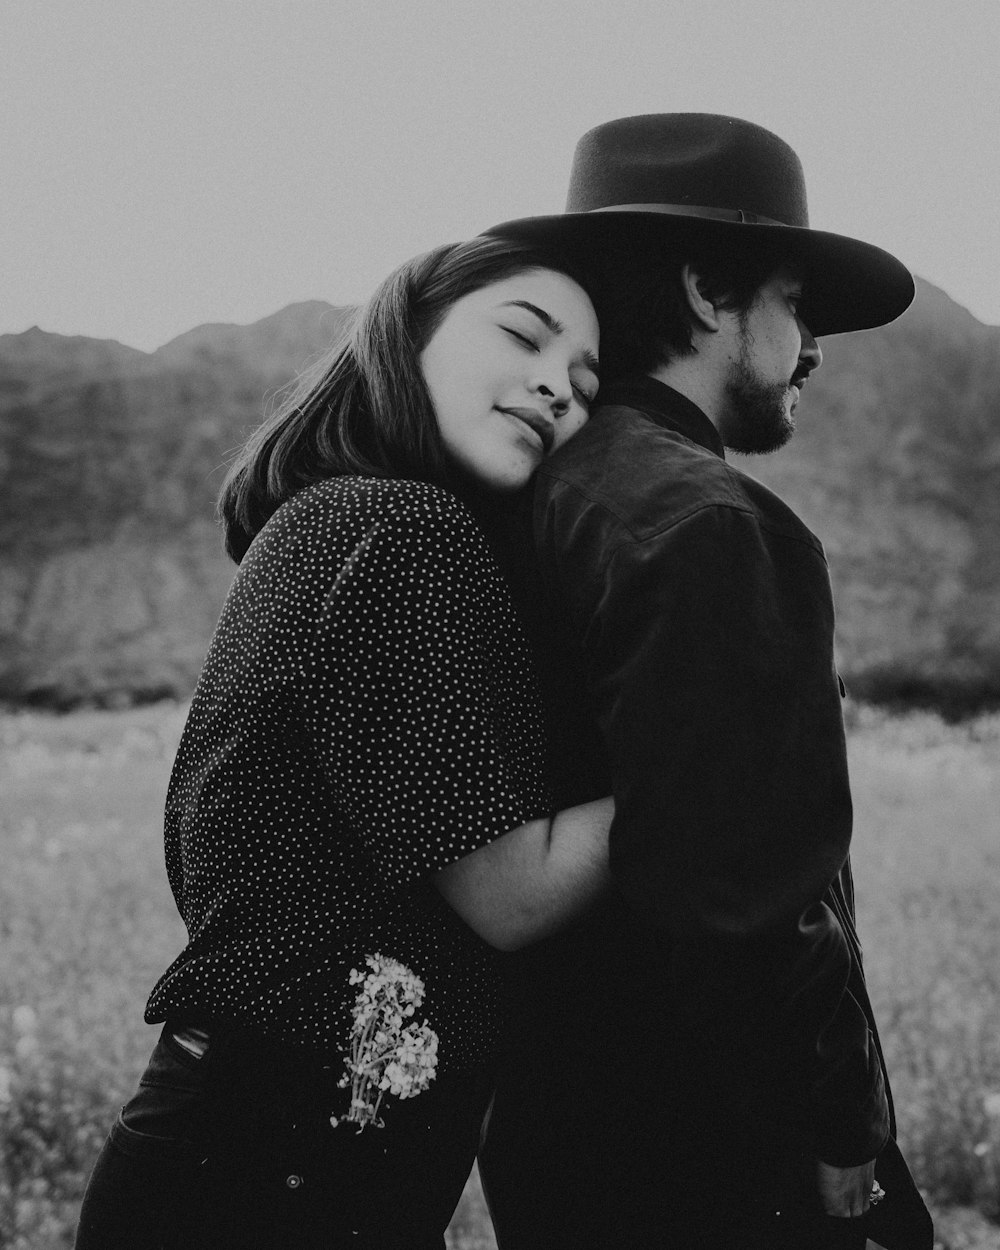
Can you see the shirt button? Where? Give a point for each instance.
(293, 1181)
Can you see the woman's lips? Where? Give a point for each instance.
(541, 425)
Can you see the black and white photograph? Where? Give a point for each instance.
(500, 625)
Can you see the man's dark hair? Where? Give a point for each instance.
(645, 318)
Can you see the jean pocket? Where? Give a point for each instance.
(153, 1147)
(168, 1113)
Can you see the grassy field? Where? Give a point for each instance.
(87, 923)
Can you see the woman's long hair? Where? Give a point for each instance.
(365, 408)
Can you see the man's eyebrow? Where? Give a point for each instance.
(554, 326)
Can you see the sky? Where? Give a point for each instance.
(163, 165)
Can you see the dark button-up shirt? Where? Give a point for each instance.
(705, 614)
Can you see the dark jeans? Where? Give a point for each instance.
(235, 1150)
(595, 1167)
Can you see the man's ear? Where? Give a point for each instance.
(703, 309)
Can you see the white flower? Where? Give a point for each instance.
(384, 1057)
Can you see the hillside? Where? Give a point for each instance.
(896, 465)
(110, 459)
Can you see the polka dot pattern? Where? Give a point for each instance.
(367, 714)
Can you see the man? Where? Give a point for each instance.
(697, 1065)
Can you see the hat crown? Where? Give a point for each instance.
(702, 160)
(639, 181)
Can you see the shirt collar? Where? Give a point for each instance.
(665, 406)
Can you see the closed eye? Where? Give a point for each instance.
(584, 396)
(521, 338)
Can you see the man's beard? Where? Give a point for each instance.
(757, 420)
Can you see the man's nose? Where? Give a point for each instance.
(810, 350)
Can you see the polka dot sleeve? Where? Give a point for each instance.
(423, 704)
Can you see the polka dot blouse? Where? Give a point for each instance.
(367, 714)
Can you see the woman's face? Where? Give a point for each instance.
(511, 372)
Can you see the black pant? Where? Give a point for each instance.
(236, 1150)
(592, 1166)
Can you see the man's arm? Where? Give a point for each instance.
(709, 648)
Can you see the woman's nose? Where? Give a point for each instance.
(556, 392)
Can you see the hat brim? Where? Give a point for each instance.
(849, 285)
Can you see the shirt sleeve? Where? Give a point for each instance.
(709, 650)
(427, 716)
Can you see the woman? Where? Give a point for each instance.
(359, 813)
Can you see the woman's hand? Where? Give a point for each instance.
(532, 881)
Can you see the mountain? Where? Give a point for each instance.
(111, 565)
(896, 465)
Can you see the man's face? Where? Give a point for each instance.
(774, 354)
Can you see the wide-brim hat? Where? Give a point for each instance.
(639, 180)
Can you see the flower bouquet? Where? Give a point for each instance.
(386, 1057)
